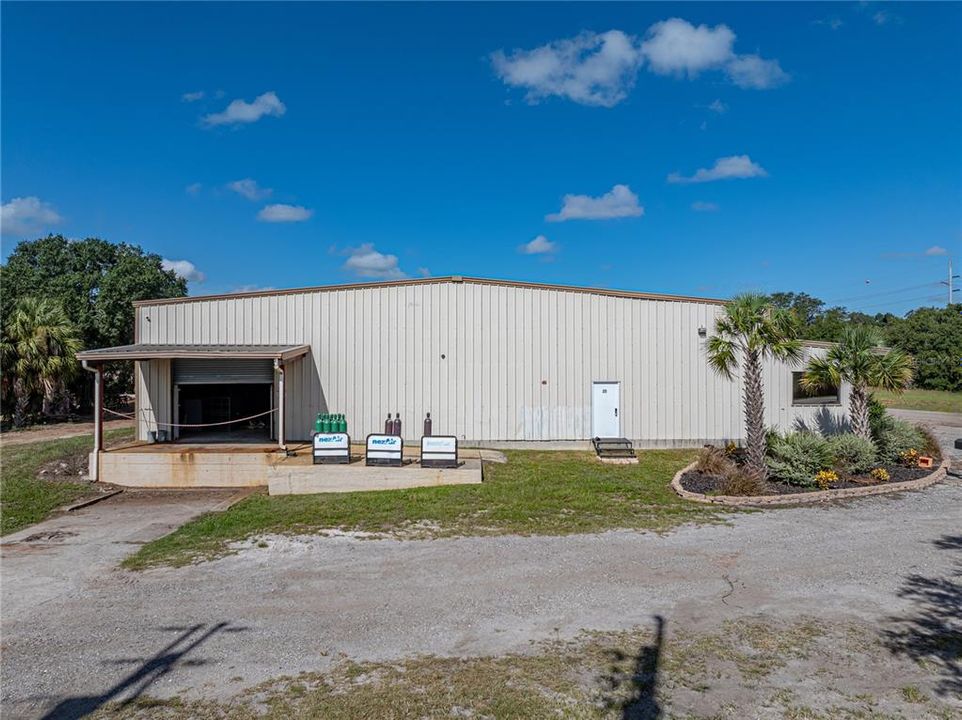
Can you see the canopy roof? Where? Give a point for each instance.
(148, 351)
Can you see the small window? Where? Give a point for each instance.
(822, 396)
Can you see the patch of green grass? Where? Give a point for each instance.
(534, 493)
(912, 694)
(26, 499)
(914, 399)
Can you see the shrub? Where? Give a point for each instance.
(743, 483)
(909, 458)
(879, 421)
(880, 474)
(896, 438)
(713, 461)
(930, 446)
(851, 454)
(797, 457)
(825, 478)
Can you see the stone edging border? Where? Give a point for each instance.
(809, 497)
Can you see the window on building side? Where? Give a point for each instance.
(822, 396)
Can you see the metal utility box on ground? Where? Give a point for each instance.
(384, 450)
(439, 451)
(331, 448)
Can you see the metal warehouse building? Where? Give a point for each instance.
(492, 361)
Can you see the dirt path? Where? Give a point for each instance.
(58, 432)
(283, 605)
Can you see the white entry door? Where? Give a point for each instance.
(605, 412)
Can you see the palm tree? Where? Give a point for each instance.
(859, 359)
(38, 348)
(750, 331)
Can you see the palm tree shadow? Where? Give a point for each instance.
(633, 692)
(933, 633)
(148, 672)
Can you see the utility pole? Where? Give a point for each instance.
(948, 284)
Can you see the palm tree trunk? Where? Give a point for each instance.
(754, 397)
(21, 405)
(858, 411)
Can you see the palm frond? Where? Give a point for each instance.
(820, 374)
(722, 356)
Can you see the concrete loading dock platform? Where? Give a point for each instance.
(181, 465)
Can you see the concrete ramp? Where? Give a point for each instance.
(289, 478)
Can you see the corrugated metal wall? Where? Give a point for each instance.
(490, 362)
(152, 380)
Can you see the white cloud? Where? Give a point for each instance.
(702, 206)
(718, 106)
(618, 202)
(284, 213)
(726, 168)
(538, 246)
(366, 261)
(27, 216)
(249, 188)
(185, 269)
(424, 272)
(193, 189)
(936, 250)
(192, 96)
(240, 111)
(755, 73)
(676, 46)
(884, 17)
(590, 69)
(833, 22)
(600, 68)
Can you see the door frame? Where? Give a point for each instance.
(618, 409)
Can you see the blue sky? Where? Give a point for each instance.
(689, 148)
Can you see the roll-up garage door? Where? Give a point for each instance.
(220, 371)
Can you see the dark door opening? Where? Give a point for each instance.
(225, 403)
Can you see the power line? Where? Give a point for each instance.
(885, 292)
(900, 302)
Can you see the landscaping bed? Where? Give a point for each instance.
(699, 482)
(807, 463)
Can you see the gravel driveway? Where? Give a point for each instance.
(299, 604)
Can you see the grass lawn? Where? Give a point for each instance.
(535, 493)
(25, 499)
(936, 400)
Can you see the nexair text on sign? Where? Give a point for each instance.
(331, 448)
(439, 451)
(384, 450)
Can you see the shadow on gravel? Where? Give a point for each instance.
(149, 671)
(933, 634)
(633, 693)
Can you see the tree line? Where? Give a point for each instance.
(60, 296)
(932, 336)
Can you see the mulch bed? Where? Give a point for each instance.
(697, 482)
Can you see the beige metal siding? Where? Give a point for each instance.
(518, 361)
(152, 380)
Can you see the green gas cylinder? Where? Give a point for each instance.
(341, 423)
(326, 423)
(317, 423)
